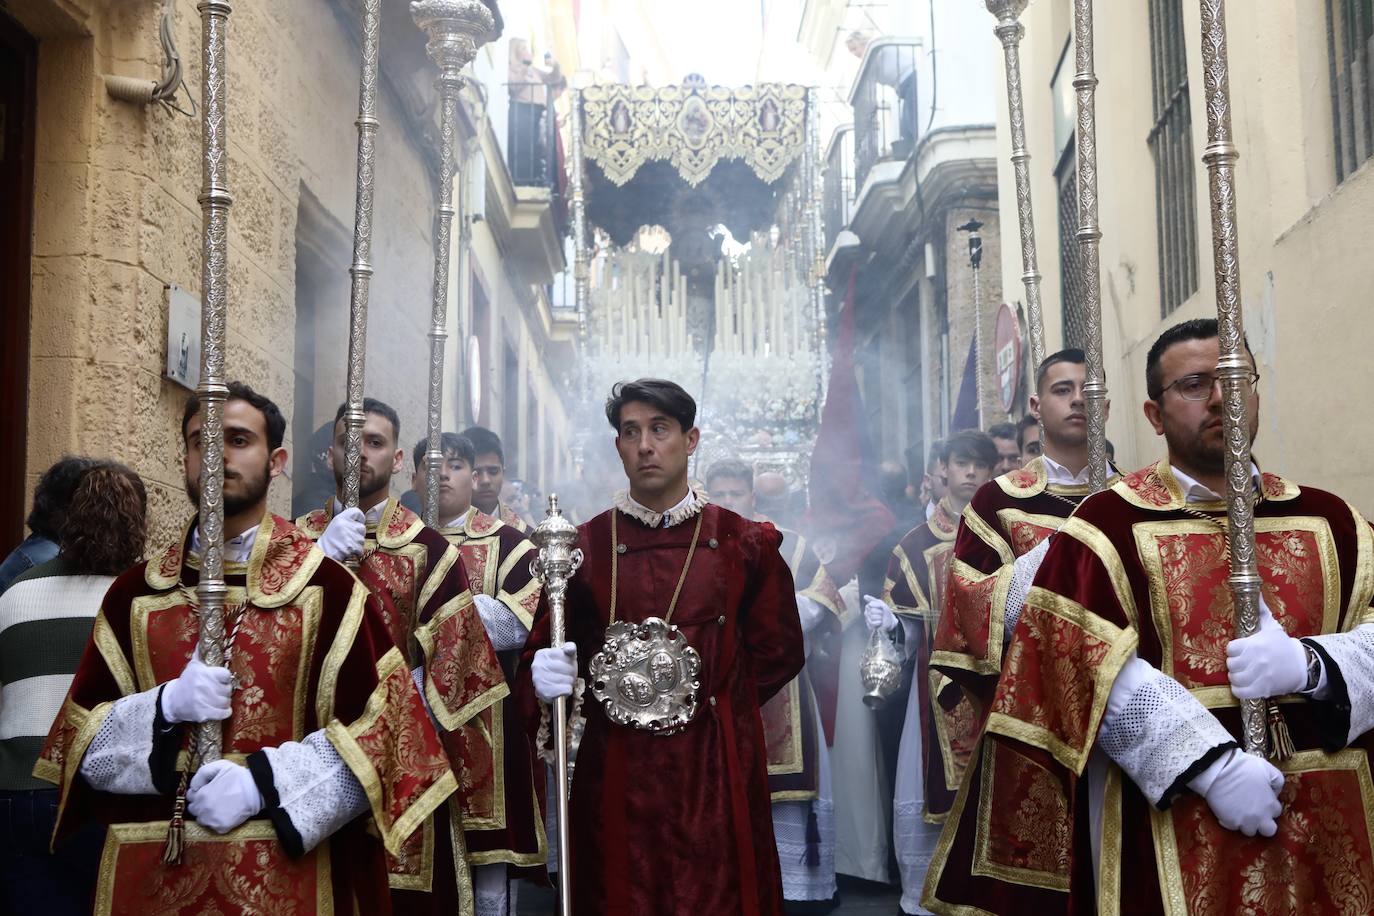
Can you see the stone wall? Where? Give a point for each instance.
(117, 219)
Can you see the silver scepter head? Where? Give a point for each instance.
(555, 537)
(455, 29)
(1007, 10)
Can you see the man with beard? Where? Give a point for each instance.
(489, 476)
(1114, 734)
(935, 740)
(801, 714)
(322, 724)
(1004, 532)
(503, 809)
(670, 801)
(1008, 449)
(420, 582)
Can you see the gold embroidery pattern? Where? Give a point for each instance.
(1024, 829)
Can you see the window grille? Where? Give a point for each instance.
(1171, 146)
(1349, 33)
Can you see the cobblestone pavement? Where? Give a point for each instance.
(858, 898)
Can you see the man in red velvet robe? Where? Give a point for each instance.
(671, 823)
(329, 761)
(1109, 777)
(799, 722)
(1006, 521)
(421, 584)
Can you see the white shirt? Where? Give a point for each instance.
(1059, 475)
(371, 516)
(236, 549)
(1194, 492)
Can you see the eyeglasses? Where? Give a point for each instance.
(1198, 386)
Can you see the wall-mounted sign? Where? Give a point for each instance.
(1007, 349)
(183, 337)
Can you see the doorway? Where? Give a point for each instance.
(18, 101)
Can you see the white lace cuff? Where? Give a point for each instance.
(1348, 697)
(503, 628)
(1022, 577)
(118, 757)
(316, 792)
(1158, 732)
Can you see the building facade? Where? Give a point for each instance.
(1305, 204)
(114, 220)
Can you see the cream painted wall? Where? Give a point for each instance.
(1305, 275)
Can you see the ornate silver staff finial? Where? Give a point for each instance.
(556, 563)
(1010, 31)
(455, 29)
(975, 260)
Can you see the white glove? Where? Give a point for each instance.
(1243, 792)
(878, 615)
(345, 535)
(554, 671)
(1269, 664)
(223, 795)
(810, 612)
(201, 694)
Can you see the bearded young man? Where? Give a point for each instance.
(1004, 531)
(1111, 767)
(421, 584)
(503, 815)
(322, 722)
(670, 800)
(799, 722)
(935, 740)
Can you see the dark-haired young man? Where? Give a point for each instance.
(1028, 438)
(489, 476)
(503, 811)
(1004, 436)
(322, 724)
(421, 584)
(1003, 534)
(682, 622)
(50, 500)
(934, 740)
(799, 722)
(1120, 688)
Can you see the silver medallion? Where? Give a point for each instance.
(646, 676)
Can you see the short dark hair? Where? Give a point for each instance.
(1022, 425)
(451, 445)
(669, 397)
(381, 409)
(1194, 329)
(974, 444)
(1067, 355)
(939, 453)
(731, 467)
(53, 495)
(106, 527)
(1002, 431)
(485, 442)
(240, 391)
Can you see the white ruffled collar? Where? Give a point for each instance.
(688, 507)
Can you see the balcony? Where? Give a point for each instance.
(885, 104)
(837, 191)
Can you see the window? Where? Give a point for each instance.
(1349, 30)
(1070, 254)
(1171, 145)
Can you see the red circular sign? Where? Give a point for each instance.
(1006, 350)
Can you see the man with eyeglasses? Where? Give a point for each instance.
(1111, 761)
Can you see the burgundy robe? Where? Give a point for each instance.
(680, 824)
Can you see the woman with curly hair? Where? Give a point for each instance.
(45, 622)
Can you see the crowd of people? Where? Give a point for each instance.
(1069, 699)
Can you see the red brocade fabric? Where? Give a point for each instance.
(681, 824)
(312, 652)
(1132, 573)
